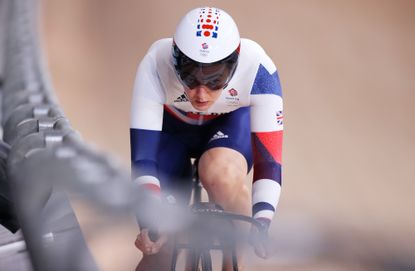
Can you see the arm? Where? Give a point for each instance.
(146, 125)
(145, 130)
(144, 146)
(266, 126)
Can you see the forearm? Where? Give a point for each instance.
(267, 177)
(144, 148)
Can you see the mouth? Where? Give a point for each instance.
(201, 104)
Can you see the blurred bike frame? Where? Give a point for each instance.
(213, 229)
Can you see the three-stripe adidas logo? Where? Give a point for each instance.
(218, 135)
(181, 98)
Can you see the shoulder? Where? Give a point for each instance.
(158, 55)
(263, 72)
(148, 80)
(159, 50)
(160, 46)
(253, 46)
(256, 55)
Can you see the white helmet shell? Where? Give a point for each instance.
(207, 35)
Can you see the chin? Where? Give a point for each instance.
(202, 107)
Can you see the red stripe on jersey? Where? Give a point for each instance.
(171, 112)
(272, 141)
(190, 115)
(193, 115)
(198, 116)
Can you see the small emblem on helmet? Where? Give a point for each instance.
(205, 46)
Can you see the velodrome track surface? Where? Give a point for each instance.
(347, 75)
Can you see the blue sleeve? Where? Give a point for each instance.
(144, 149)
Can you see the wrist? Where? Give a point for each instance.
(265, 223)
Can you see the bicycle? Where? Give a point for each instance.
(209, 215)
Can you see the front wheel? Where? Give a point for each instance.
(199, 261)
(195, 261)
(205, 262)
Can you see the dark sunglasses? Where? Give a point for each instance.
(214, 75)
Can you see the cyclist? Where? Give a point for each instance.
(207, 93)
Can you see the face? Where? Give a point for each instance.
(202, 97)
(203, 82)
(205, 90)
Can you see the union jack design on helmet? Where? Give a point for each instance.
(208, 22)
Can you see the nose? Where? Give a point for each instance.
(201, 90)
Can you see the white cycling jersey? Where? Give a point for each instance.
(255, 84)
(157, 84)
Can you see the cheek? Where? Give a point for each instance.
(190, 94)
(215, 95)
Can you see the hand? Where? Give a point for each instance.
(260, 242)
(261, 250)
(146, 245)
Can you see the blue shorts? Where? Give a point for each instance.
(181, 141)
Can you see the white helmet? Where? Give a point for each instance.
(206, 37)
